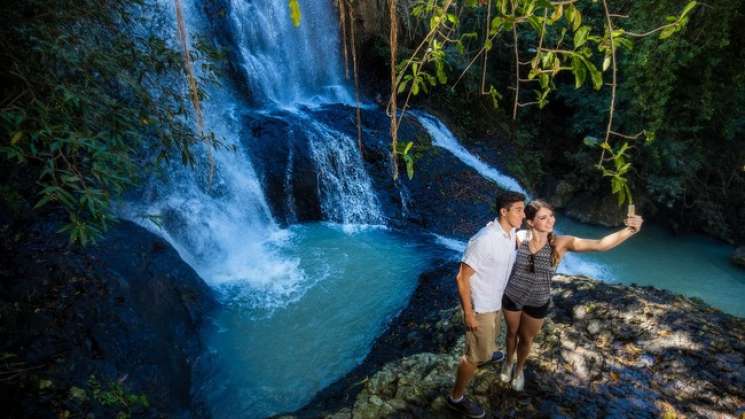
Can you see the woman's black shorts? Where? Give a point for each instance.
(538, 312)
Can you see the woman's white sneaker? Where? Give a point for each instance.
(506, 373)
(518, 383)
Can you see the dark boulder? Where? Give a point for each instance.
(124, 313)
(282, 159)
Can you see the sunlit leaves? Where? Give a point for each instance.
(580, 36)
(548, 39)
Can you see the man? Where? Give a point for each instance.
(482, 278)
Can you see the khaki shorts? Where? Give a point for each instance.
(480, 345)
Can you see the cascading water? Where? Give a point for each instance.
(347, 195)
(442, 137)
(287, 65)
(302, 305)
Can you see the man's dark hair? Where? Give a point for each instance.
(506, 199)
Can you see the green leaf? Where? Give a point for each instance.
(668, 32)
(487, 45)
(544, 79)
(595, 75)
(295, 12)
(625, 43)
(402, 86)
(440, 72)
(78, 393)
(408, 147)
(535, 23)
(16, 137)
(606, 61)
(409, 166)
(45, 384)
(503, 6)
(558, 12)
(580, 36)
(579, 70)
(576, 19)
(495, 97)
(591, 141)
(688, 8)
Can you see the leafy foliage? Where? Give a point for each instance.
(559, 38)
(92, 94)
(680, 99)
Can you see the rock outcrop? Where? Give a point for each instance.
(91, 331)
(605, 351)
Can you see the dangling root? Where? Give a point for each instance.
(192, 81)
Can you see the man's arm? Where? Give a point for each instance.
(463, 281)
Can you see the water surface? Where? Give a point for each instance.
(270, 360)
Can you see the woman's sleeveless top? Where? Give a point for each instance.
(530, 280)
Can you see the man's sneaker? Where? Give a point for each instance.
(466, 407)
(518, 383)
(497, 356)
(506, 373)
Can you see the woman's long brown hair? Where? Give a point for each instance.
(530, 212)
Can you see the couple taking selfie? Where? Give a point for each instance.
(510, 271)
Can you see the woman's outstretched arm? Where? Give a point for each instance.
(578, 244)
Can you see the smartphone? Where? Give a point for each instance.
(630, 212)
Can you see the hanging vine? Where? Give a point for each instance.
(343, 28)
(358, 112)
(192, 82)
(394, 86)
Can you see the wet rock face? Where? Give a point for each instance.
(128, 310)
(445, 196)
(738, 257)
(605, 351)
(282, 160)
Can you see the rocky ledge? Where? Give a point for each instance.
(605, 351)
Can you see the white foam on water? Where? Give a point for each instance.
(455, 245)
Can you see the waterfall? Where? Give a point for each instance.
(287, 65)
(443, 138)
(347, 194)
(224, 228)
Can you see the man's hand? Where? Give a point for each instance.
(471, 323)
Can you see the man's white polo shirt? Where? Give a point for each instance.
(491, 254)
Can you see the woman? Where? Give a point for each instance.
(527, 296)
